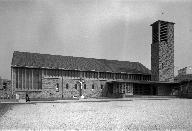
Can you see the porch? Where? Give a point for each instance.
(131, 88)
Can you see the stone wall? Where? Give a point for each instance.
(70, 88)
(155, 61)
(162, 57)
(166, 59)
(45, 84)
(90, 88)
(97, 91)
(49, 88)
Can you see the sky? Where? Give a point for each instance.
(104, 29)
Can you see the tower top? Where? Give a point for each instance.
(161, 21)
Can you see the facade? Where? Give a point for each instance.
(185, 71)
(45, 76)
(162, 51)
(184, 78)
(185, 85)
(54, 76)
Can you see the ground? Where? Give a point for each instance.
(119, 114)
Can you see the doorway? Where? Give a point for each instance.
(142, 89)
(109, 91)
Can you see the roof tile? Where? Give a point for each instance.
(36, 60)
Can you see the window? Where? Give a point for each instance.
(4, 86)
(75, 86)
(95, 75)
(84, 86)
(101, 87)
(92, 86)
(57, 87)
(67, 86)
(105, 75)
(162, 65)
(17, 77)
(70, 73)
(67, 73)
(86, 74)
(128, 89)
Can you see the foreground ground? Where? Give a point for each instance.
(144, 114)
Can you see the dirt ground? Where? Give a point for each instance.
(134, 114)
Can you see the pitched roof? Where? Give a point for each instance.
(36, 60)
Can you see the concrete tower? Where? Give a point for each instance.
(162, 51)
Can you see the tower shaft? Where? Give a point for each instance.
(162, 51)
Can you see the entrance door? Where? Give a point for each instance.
(142, 89)
(154, 88)
(109, 90)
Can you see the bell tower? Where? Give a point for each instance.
(162, 51)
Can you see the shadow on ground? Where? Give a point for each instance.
(4, 107)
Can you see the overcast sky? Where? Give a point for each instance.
(109, 29)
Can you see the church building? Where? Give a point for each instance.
(55, 76)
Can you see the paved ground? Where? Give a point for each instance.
(4, 107)
(123, 114)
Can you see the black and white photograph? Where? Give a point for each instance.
(96, 65)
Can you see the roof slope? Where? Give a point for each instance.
(36, 60)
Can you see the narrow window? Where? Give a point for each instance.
(4, 86)
(101, 87)
(105, 75)
(90, 75)
(92, 86)
(84, 86)
(57, 87)
(67, 73)
(86, 75)
(95, 75)
(70, 73)
(17, 77)
(76, 86)
(67, 86)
